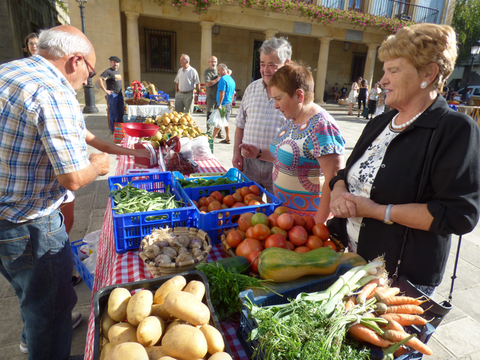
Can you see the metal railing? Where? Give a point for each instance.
(393, 9)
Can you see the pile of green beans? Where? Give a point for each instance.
(129, 199)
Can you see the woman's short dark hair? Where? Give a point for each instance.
(29, 36)
(291, 77)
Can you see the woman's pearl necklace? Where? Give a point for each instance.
(403, 126)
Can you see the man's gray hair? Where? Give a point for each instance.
(280, 46)
(222, 66)
(186, 57)
(59, 43)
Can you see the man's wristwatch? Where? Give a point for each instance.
(259, 153)
(388, 213)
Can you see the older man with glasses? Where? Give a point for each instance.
(110, 81)
(44, 154)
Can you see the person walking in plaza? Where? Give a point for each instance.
(44, 153)
(353, 95)
(211, 78)
(31, 44)
(413, 178)
(362, 97)
(225, 91)
(185, 82)
(372, 100)
(110, 81)
(257, 120)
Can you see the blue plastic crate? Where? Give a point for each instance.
(161, 96)
(247, 324)
(216, 222)
(82, 269)
(130, 229)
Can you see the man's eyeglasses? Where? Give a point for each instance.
(32, 44)
(91, 70)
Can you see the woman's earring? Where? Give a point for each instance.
(423, 85)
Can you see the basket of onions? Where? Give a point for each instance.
(174, 250)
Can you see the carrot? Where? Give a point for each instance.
(350, 303)
(362, 333)
(366, 291)
(400, 351)
(386, 293)
(404, 309)
(414, 343)
(393, 325)
(401, 300)
(405, 319)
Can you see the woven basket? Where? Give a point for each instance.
(158, 270)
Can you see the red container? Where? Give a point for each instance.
(139, 129)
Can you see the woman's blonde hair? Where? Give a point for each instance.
(293, 76)
(423, 44)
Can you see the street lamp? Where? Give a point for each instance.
(88, 90)
(474, 51)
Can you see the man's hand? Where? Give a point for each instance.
(237, 161)
(101, 162)
(108, 92)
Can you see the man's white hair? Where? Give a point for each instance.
(222, 66)
(186, 57)
(59, 43)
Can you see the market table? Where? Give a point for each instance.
(112, 268)
(146, 110)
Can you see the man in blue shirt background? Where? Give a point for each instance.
(225, 92)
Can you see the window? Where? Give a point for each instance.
(161, 51)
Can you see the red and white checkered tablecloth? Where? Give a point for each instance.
(112, 268)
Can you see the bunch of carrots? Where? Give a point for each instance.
(397, 310)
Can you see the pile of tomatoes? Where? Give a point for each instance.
(244, 196)
(258, 231)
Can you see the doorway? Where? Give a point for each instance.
(256, 60)
(358, 66)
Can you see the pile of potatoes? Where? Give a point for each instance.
(170, 324)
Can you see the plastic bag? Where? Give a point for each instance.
(92, 240)
(201, 148)
(90, 263)
(186, 148)
(215, 118)
(178, 162)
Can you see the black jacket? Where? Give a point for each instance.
(450, 187)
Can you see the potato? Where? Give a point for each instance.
(159, 310)
(214, 339)
(105, 323)
(105, 349)
(185, 342)
(167, 358)
(155, 352)
(220, 356)
(117, 304)
(150, 330)
(196, 288)
(186, 306)
(122, 333)
(127, 351)
(139, 306)
(177, 283)
(174, 323)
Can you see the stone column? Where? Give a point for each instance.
(270, 33)
(322, 68)
(205, 47)
(370, 63)
(133, 47)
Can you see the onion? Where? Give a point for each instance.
(195, 243)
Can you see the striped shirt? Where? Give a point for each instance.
(43, 135)
(257, 116)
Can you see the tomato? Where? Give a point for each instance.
(314, 242)
(276, 240)
(247, 246)
(214, 205)
(281, 210)
(241, 232)
(272, 220)
(244, 191)
(321, 231)
(253, 259)
(245, 221)
(249, 233)
(202, 201)
(238, 197)
(260, 218)
(195, 203)
(300, 221)
(254, 202)
(290, 246)
(330, 244)
(203, 209)
(254, 189)
(298, 235)
(209, 200)
(309, 223)
(301, 249)
(234, 238)
(261, 231)
(217, 195)
(285, 221)
(229, 200)
(277, 230)
(248, 198)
